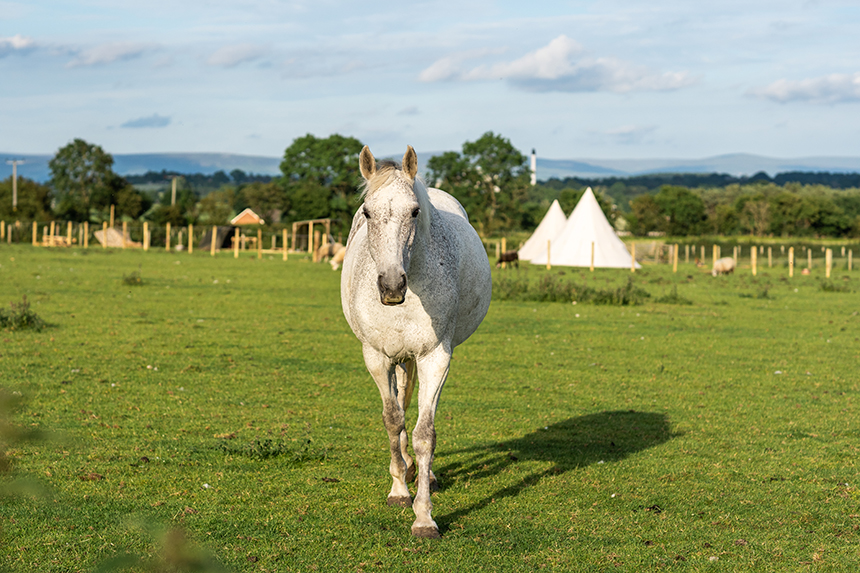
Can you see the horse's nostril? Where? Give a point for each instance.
(402, 285)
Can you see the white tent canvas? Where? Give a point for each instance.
(586, 225)
(548, 229)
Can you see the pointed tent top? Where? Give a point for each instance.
(548, 229)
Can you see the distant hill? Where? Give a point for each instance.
(738, 164)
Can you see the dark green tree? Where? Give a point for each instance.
(645, 216)
(684, 210)
(34, 200)
(78, 171)
(490, 178)
(321, 179)
(268, 200)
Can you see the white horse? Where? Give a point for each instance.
(415, 284)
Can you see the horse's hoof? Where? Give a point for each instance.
(410, 473)
(434, 485)
(400, 501)
(426, 532)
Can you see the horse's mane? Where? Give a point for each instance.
(386, 172)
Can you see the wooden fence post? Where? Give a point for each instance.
(715, 254)
(86, 234)
(214, 240)
(791, 261)
(675, 259)
(591, 268)
(51, 240)
(124, 232)
(190, 239)
(104, 234)
(828, 262)
(167, 238)
(632, 257)
(259, 243)
(850, 253)
(2, 230)
(236, 239)
(754, 260)
(504, 250)
(809, 259)
(311, 249)
(769, 257)
(35, 233)
(284, 239)
(548, 251)
(69, 233)
(112, 212)
(145, 235)
(686, 254)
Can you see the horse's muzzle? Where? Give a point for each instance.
(392, 288)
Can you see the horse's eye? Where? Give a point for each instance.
(366, 213)
(415, 212)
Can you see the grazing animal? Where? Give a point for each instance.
(337, 258)
(415, 284)
(512, 257)
(726, 265)
(327, 250)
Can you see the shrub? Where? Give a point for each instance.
(673, 298)
(552, 288)
(830, 286)
(20, 317)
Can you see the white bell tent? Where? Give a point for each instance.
(586, 225)
(548, 229)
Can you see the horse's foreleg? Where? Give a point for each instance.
(405, 384)
(432, 372)
(383, 372)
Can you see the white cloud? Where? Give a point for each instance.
(833, 88)
(109, 53)
(16, 43)
(562, 65)
(232, 56)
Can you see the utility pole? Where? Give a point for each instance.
(173, 191)
(14, 163)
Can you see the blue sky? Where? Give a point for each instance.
(609, 79)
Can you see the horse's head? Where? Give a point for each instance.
(393, 208)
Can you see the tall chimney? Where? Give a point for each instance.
(534, 167)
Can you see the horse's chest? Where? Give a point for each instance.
(401, 332)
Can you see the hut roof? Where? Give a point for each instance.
(247, 217)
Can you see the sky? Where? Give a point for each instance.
(606, 79)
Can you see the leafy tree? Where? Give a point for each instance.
(683, 209)
(266, 199)
(645, 216)
(182, 213)
(321, 178)
(78, 171)
(490, 178)
(218, 207)
(34, 200)
(238, 176)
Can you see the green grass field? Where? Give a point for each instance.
(221, 410)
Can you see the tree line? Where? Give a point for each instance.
(489, 176)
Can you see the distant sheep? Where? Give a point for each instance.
(512, 257)
(337, 258)
(325, 251)
(726, 265)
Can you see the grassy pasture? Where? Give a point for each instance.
(227, 400)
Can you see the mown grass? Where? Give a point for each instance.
(227, 400)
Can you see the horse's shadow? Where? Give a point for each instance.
(568, 445)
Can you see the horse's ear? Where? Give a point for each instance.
(410, 162)
(367, 163)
